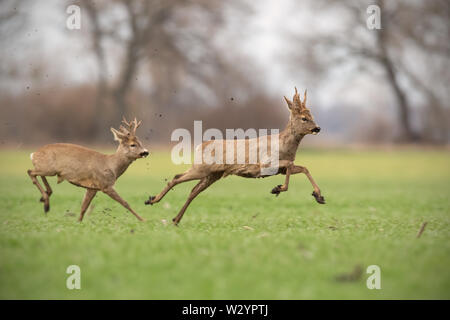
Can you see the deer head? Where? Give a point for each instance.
(129, 143)
(301, 121)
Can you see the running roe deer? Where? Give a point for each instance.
(87, 168)
(301, 123)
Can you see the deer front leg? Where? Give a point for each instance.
(114, 195)
(316, 193)
(283, 188)
(90, 194)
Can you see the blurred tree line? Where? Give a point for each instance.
(409, 55)
(162, 61)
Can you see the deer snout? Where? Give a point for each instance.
(144, 153)
(316, 130)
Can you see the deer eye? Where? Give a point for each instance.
(304, 119)
(133, 145)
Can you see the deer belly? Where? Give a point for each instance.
(245, 170)
(88, 179)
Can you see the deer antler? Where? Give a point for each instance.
(297, 102)
(296, 99)
(132, 126)
(136, 125)
(126, 122)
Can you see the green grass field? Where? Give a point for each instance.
(294, 248)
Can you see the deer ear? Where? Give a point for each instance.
(289, 103)
(118, 136)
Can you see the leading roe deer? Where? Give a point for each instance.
(301, 123)
(87, 168)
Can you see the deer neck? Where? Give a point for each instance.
(289, 142)
(119, 162)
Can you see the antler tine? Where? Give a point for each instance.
(304, 97)
(124, 130)
(296, 99)
(133, 125)
(136, 123)
(126, 122)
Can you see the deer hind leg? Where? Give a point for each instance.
(179, 178)
(316, 193)
(45, 197)
(90, 194)
(201, 186)
(114, 195)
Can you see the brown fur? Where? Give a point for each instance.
(212, 168)
(87, 168)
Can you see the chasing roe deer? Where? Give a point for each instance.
(209, 170)
(87, 168)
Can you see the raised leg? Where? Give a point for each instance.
(179, 178)
(114, 195)
(201, 186)
(283, 188)
(90, 194)
(316, 193)
(45, 197)
(293, 169)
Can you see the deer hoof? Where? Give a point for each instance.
(46, 207)
(276, 190)
(149, 201)
(320, 199)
